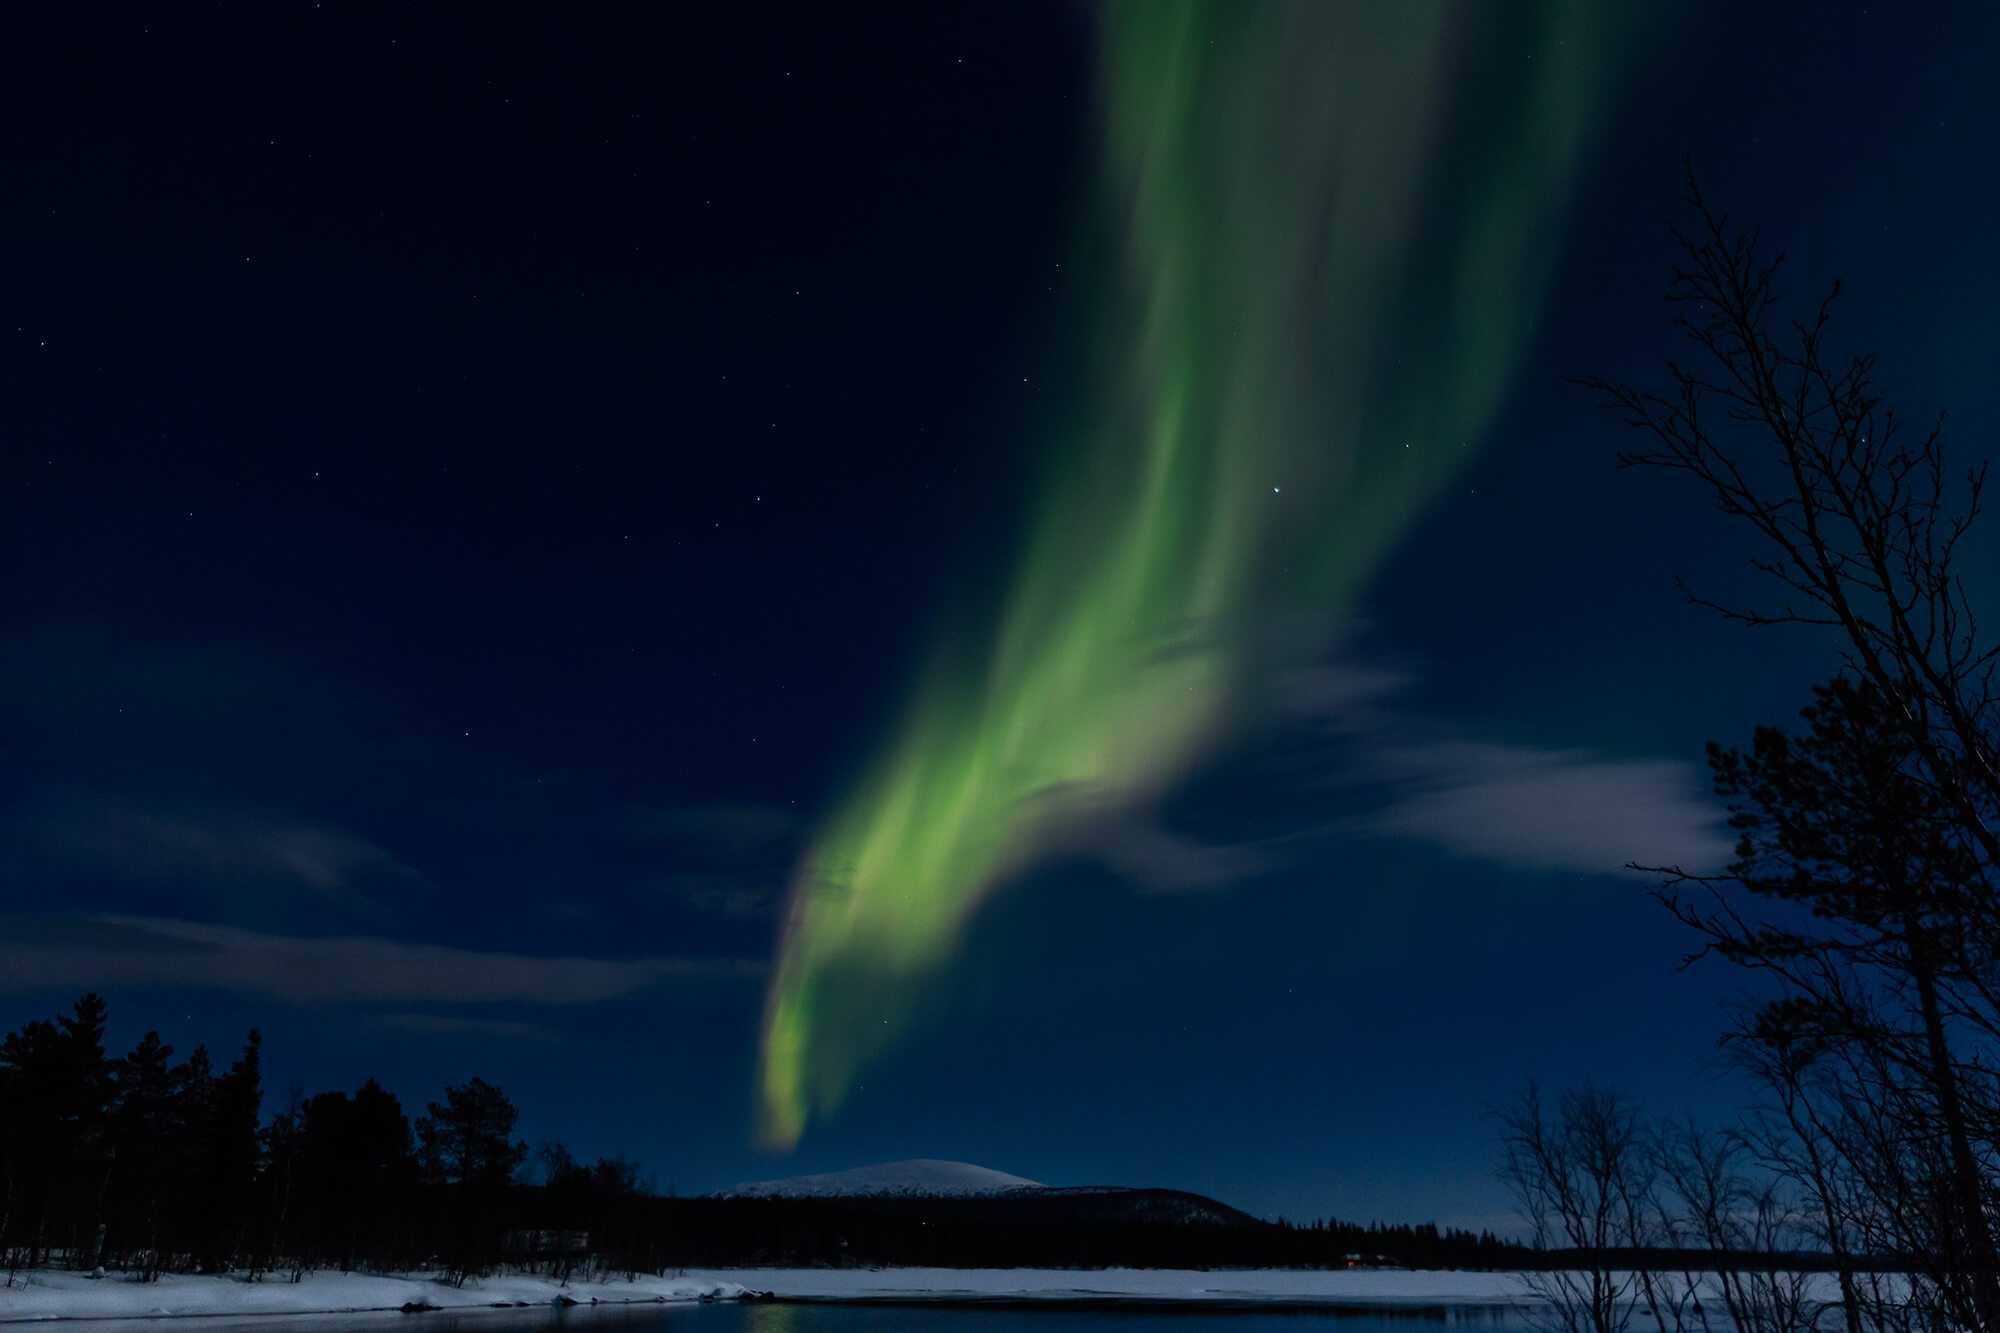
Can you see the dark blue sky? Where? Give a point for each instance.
(474, 482)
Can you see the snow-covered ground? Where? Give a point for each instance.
(1343, 1287)
(64, 1295)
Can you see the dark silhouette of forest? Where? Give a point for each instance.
(151, 1163)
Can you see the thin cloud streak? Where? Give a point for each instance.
(1164, 861)
(1520, 806)
(738, 827)
(458, 1025)
(212, 843)
(39, 953)
(1558, 810)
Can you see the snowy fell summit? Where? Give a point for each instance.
(919, 1177)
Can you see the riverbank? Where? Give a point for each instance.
(43, 1294)
(49, 1295)
(1358, 1288)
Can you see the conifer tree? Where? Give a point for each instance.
(145, 1127)
(469, 1147)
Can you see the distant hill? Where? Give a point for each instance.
(921, 1177)
(1128, 1203)
(937, 1214)
(918, 1215)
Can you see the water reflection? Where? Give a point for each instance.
(776, 1319)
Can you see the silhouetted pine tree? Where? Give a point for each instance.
(354, 1194)
(234, 1157)
(60, 1088)
(142, 1176)
(194, 1116)
(469, 1150)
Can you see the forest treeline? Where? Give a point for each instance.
(151, 1164)
(144, 1163)
(1108, 1228)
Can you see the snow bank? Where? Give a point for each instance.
(63, 1295)
(1282, 1286)
(1350, 1288)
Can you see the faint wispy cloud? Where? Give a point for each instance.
(729, 860)
(459, 1025)
(730, 827)
(723, 896)
(209, 843)
(51, 952)
(1390, 772)
(1167, 861)
(1345, 695)
(1537, 809)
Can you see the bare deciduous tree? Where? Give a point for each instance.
(1662, 1224)
(1861, 522)
(1880, 819)
(1580, 1173)
(1715, 1198)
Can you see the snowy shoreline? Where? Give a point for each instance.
(1358, 1288)
(43, 1294)
(46, 1295)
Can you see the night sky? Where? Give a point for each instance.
(494, 503)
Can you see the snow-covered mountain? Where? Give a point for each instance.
(922, 1176)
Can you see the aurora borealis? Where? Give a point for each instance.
(801, 586)
(1331, 226)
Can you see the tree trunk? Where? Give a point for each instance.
(1967, 1203)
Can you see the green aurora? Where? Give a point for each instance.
(1332, 225)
